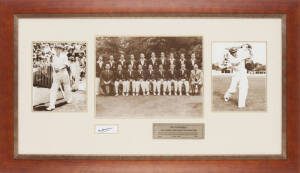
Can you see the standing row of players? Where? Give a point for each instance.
(156, 76)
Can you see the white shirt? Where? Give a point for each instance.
(132, 63)
(153, 60)
(100, 63)
(182, 61)
(122, 61)
(172, 60)
(238, 63)
(75, 68)
(60, 61)
(193, 61)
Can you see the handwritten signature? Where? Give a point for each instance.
(104, 129)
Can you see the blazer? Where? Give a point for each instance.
(99, 68)
(150, 76)
(124, 65)
(112, 65)
(164, 64)
(179, 63)
(160, 75)
(144, 66)
(172, 75)
(133, 65)
(174, 62)
(139, 75)
(130, 76)
(154, 64)
(119, 75)
(106, 75)
(190, 64)
(183, 75)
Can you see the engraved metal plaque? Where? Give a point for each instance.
(178, 131)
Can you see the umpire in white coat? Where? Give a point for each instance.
(60, 76)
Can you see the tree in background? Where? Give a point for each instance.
(106, 46)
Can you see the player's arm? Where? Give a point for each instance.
(234, 60)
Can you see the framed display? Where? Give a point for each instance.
(181, 88)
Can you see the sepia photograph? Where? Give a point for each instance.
(149, 77)
(59, 76)
(239, 76)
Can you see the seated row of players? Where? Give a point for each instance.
(146, 78)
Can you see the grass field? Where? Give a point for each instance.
(256, 99)
(41, 98)
(149, 107)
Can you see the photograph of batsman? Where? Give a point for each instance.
(59, 76)
(149, 77)
(239, 76)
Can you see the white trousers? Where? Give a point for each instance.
(126, 86)
(148, 85)
(239, 80)
(169, 87)
(139, 85)
(117, 84)
(185, 83)
(158, 84)
(76, 78)
(59, 78)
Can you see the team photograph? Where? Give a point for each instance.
(149, 77)
(59, 76)
(239, 76)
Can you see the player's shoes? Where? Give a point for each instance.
(180, 94)
(133, 94)
(170, 93)
(226, 99)
(70, 100)
(50, 108)
(187, 94)
(175, 94)
(126, 94)
(158, 94)
(148, 93)
(164, 93)
(117, 94)
(154, 94)
(123, 94)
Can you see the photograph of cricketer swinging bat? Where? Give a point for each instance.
(239, 76)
